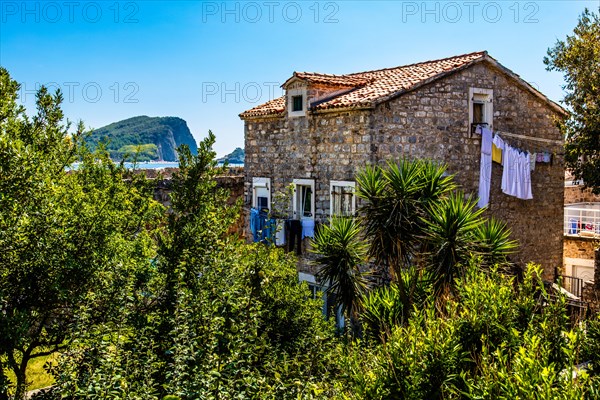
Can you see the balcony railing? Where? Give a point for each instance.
(582, 220)
(571, 283)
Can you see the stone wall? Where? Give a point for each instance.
(430, 122)
(576, 194)
(591, 289)
(233, 183)
(575, 247)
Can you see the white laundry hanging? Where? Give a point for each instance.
(485, 166)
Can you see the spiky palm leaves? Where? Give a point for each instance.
(395, 198)
(340, 253)
(450, 230)
(417, 228)
(495, 244)
(389, 306)
(456, 231)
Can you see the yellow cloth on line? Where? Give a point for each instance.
(496, 154)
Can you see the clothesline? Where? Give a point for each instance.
(517, 136)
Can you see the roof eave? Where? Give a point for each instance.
(262, 116)
(291, 79)
(343, 109)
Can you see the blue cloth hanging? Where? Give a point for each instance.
(255, 227)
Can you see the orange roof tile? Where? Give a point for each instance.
(328, 79)
(369, 88)
(271, 107)
(387, 83)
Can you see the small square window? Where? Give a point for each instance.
(260, 193)
(297, 103)
(343, 202)
(481, 109)
(304, 199)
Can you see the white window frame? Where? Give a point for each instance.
(295, 205)
(342, 184)
(261, 183)
(290, 102)
(485, 96)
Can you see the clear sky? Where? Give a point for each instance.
(207, 61)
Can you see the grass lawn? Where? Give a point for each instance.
(37, 377)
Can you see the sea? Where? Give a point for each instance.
(158, 165)
(166, 164)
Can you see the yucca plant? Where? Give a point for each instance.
(495, 245)
(340, 254)
(390, 306)
(395, 199)
(450, 232)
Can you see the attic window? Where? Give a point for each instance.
(297, 103)
(481, 107)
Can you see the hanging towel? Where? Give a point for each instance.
(532, 159)
(308, 228)
(497, 148)
(547, 157)
(254, 224)
(526, 182)
(516, 175)
(294, 230)
(280, 234)
(496, 154)
(508, 172)
(539, 157)
(485, 167)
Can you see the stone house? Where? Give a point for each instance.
(325, 128)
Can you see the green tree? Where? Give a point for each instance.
(578, 58)
(395, 198)
(495, 338)
(340, 254)
(413, 217)
(216, 318)
(66, 238)
(451, 224)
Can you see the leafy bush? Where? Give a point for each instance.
(475, 345)
(389, 306)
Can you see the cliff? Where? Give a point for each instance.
(157, 138)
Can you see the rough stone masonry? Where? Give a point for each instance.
(429, 121)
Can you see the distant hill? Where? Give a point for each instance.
(235, 157)
(157, 138)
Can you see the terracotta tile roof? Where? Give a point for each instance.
(271, 107)
(387, 83)
(330, 80)
(369, 88)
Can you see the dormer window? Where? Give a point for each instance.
(481, 110)
(297, 102)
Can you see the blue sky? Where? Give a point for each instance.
(207, 61)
